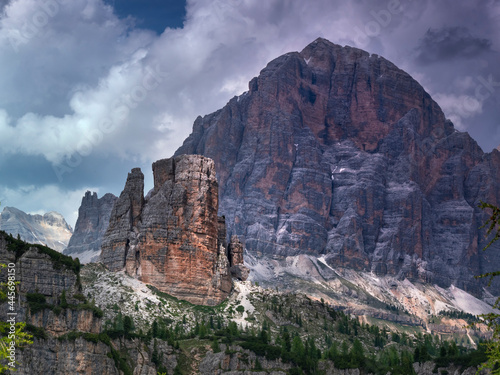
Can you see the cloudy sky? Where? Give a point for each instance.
(92, 88)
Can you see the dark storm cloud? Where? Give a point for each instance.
(95, 84)
(3, 3)
(20, 170)
(450, 43)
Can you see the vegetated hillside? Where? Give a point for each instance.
(267, 330)
(90, 319)
(336, 153)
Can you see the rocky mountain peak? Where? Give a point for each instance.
(336, 152)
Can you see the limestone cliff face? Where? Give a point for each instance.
(121, 237)
(39, 272)
(49, 229)
(171, 239)
(338, 153)
(48, 275)
(237, 268)
(92, 223)
(53, 356)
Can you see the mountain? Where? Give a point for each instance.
(92, 222)
(49, 229)
(338, 155)
(173, 238)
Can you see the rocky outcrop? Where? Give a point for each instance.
(83, 356)
(44, 272)
(238, 361)
(53, 356)
(173, 238)
(338, 153)
(237, 268)
(38, 271)
(92, 223)
(430, 368)
(69, 335)
(49, 229)
(120, 239)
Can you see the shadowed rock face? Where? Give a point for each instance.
(171, 239)
(93, 220)
(237, 268)
(121, 237)
(337, 152)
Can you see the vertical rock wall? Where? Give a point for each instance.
(336, 152)
(174, 239)
(92, 223)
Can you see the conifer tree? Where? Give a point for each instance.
(492, 226)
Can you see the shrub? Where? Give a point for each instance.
(38, 332)
(57, 310)
(36, 302)
(79, 297)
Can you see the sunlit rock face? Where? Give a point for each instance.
(170, 238)
(49, 229)
(338, 153)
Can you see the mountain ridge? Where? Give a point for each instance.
(77, 316)
(49, 229)
(333, 205)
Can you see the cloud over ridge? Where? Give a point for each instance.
(79, 83)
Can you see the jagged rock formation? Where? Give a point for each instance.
(40, 271)
(242, 363)
(49, 229)
(338, 153)
(92, 223)
(120, 238)
(74, 339)
(237, 268)
(173, 238)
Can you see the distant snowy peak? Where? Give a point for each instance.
(50, 229)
